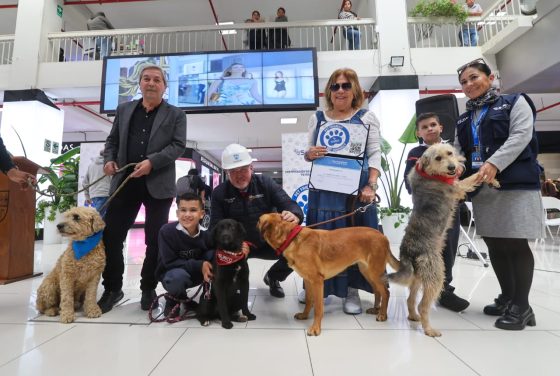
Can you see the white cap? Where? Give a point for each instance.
(235, 155)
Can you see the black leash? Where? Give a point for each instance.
(177, 307)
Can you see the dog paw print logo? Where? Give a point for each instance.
(301, 196)
(335, 137)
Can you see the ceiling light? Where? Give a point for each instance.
(275, 172)
(459, 95)
(254, 160)
(258, 173)
(291, 120)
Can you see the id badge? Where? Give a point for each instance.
(476, 159)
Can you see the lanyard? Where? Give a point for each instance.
(475, 124)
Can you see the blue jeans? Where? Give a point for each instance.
(98, 202)
(469, 36)
(353, 37)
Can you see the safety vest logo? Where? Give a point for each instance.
(335, 137)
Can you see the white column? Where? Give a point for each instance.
(392, 26)
(35, 19)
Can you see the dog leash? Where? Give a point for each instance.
(177, 307)
(361, 209)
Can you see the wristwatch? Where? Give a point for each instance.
(373, 186)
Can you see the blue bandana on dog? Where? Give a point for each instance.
(83, 247)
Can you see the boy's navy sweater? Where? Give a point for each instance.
(413, 156)
(178, 250)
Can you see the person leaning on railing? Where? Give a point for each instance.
(99, 21)
(469, 34)
(10, 169)
(351, 33)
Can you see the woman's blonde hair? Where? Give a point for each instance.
(352, 77)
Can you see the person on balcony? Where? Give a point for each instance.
(100, 22)
(351, 33)
(257, 37)
(280, 35)
(344, 98)
(469, 34)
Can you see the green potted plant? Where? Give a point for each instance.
(62, 178)
(395, 214)
(440, 8)
(440, 11)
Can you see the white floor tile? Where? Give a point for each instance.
(341, 352)
(97, 349)
(239, 352)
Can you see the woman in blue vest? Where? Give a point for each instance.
(344, 98)
(497, 136)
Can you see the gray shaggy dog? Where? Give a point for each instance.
(435, 193)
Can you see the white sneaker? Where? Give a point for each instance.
(352, 304)
(301, 298)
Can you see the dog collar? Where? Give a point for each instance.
(443, 179)
(224, 258)
(83, 247)
(291, 236)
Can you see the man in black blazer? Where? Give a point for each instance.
(151, 133)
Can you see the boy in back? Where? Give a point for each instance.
(185, 259)
(429, 128)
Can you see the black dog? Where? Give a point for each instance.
(230, 288)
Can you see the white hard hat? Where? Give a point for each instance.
(235, 155)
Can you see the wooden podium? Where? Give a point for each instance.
(17, 226)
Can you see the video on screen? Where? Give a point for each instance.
(223, 82)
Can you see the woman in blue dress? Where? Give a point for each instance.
(344, 98)
(236, 87)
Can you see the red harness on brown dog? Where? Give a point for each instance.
(291, 236)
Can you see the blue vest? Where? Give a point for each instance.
(523, 172)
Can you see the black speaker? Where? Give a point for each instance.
(445, 106)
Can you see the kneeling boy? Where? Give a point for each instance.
(184, 256)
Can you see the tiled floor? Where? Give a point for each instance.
(122, 342)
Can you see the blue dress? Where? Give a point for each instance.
(325, 205)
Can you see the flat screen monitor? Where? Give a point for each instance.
(231, 81)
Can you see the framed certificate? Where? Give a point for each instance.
(336, 174)
(343, 139)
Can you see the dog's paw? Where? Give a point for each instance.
(227, 324)
(66, 317)
(494, 184)
(205, 323)
(300, 316)
(431, 332)
(93, 312)
(413, 317)
(381, 317)
(373, 311)
(51, 311)
(314, 330)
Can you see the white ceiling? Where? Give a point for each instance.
(261, 131)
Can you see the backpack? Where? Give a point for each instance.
(186, 184)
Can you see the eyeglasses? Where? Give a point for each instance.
(345, 86)
(240, 170)
(462, 68)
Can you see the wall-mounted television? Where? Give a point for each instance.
(231, 81)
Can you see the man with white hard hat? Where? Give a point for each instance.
(245, 197)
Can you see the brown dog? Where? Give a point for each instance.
(317, 255)
(75, 277)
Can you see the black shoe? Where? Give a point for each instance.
(498, 308)
(275, 289)
(109, 299)
(514, 319)
(449, 300)
(169, 305)
(148, 300)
